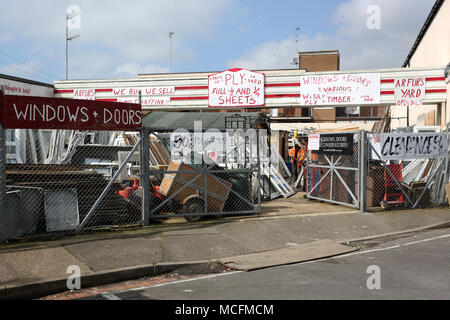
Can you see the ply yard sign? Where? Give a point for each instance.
(340, 89)
(409, 91)
(236, 88)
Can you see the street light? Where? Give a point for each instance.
(69, 17)
(171, 34)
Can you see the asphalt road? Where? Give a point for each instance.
(416, 267)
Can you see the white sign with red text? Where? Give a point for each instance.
(409, 91)
(84, 94)
(145, 91)
(236, 88)
(314, 142)
(340, 89)
(152, 101)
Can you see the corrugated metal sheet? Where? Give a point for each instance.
(282, 87)
(185, 120)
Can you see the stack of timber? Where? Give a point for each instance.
(113, 210)
(384, 124)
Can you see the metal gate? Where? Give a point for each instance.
(333, 174)
(407, 170)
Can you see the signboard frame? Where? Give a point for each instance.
(235, 70)
(30, 112)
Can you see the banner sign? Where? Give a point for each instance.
(145, 91)
(147, 101)
(339, 144)
(84, 94)
(236, 88)
(340, 89)
(409, 91)
(314, 142)
(399, 146)
(22, 112)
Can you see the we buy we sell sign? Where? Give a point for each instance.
(25, 112)
(236, 88)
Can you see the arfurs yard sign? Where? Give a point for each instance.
(409, 91)
(21, 112)
(236, 88)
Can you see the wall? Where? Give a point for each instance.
(433, 51)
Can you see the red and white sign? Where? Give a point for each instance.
(236, 88)
(151, 101)
(409, 91)
(314, 142)
(21, 112)
(340, 89)
(84, 94)
(145, 91)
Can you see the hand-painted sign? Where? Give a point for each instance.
(147, 101)
(340, 89)
(409, 91)
(84, 94)
(336, 143)
(21, 112)
(145, 91)
(236, 88)
(401, 146)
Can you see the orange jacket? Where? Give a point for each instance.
(299, 157)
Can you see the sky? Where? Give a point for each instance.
(120, 39)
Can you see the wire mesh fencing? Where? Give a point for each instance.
(333, 170)
(407, 171)
(196, 183)
(62, 182)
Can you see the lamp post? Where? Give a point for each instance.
(68, 18)
(171, 34)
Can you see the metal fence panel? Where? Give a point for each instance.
(407, 171)
(334, 177)
(63, 182)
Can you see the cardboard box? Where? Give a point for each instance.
(217, 188)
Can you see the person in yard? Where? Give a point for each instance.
(297, 155)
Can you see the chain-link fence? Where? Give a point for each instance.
(407, 171)
(60, 182)
(333, 170)
(195, 183)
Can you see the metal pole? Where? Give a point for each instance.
(170, 36)
(67, 48)
(2, 161)
(108, 187)
(363, 166)
(145, 175)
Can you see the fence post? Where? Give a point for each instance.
(145, 175)
(107, 188)
(2, 163)
(363, 171)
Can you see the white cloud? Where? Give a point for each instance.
(134, 69)
(114, 31)
(360, 48)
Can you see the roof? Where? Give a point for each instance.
(8, 77)
(162, 121)
(437, 5)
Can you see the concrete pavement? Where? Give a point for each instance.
(36, 269)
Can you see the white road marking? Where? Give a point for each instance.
(180, 281)
(110, 296)
(429, 239)
(306, 262)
